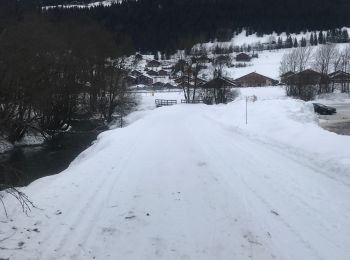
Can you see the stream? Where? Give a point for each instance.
(29, 163)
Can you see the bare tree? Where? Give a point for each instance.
(296, 60)
(114, 95)
(220, 63)
(325, 56)
(6, 188)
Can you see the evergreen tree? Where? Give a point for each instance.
(279, 43)
(315, 39)
(328, 36)
(312, 42)
(295, 44)
(289, 42)
(156, 55)
(303, 42)
(345, 36)
(320, 38)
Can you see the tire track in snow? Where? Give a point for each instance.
(244, 152)
(83, 217)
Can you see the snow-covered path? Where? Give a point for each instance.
(179, 184)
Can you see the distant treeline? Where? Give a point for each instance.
(172, 24)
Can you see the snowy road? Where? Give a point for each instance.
(179, 184)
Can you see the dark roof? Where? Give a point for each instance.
(287, 74)
(153, 63)
(338, 73)
(158, 84)
(163, 72)
(152, 73)
(168, 85)
(185, 79)
(243, 56)
(307, 77)
(339, 77)
(139, 56)
(254, 74)
(143, 76)
(220, 82)
(136, 73)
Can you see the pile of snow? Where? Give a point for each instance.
(5, 145)
(332, 98)
(31, 138)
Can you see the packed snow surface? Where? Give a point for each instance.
(195, 182)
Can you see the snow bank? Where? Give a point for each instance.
(5, 145)
(291, 125)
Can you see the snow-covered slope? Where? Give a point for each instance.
(93, 4)
(195, 182)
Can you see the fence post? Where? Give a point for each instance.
(246, 110)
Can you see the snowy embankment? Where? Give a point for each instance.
(195, 182)
(28, 140)
(5, 145)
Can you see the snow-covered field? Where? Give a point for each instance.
(195, 182)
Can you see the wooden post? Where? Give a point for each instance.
(246, 110)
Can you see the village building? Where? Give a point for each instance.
(340, 80)
(158, 85)
(152, 73)
(138, 56)
(144, 80)
(130, 80)
(243, 57)
(135, 73)
(190, 80)
(256, 80)
(202, 59)
(284, 77)
(306, 84)
(153, 64)
(163, 73)
(217, 90)
(169, 86)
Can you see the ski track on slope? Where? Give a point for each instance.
(210, 193)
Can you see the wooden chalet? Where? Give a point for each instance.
(339, 77)
(152, 73)
(135, 73)
(243, 57)
(191, 81)
(144, 80)
(306, 84)
(158, 85)
(130, 80)
(163, 73)
(341, 80)
(284, 77)
(202, 59)
(153, 64)
(308, 77)
(217, 89)
(169, 86)
(256, 80)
